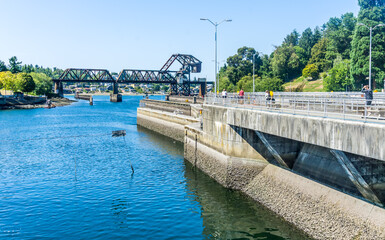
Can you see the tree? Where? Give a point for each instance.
(25, 82)
(14, 65)
(241, 64)
(285, 62)
(267, 83)
(3, 67)
(8, 81)
(338, 79)
(292, 38)
(311, 70)
(318, 55)
(43, 83)
(339, 31)
(156, 87)
(372, 13)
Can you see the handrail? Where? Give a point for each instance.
(346, 105)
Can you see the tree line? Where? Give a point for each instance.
(337, 52)
(30, 79)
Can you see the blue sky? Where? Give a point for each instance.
(117, 34)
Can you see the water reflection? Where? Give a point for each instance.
(230, 214)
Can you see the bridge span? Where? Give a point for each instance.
(179, 81)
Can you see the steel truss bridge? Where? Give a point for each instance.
(180, 81)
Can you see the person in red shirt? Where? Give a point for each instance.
(241, 95)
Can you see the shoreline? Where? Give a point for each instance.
(58, 102)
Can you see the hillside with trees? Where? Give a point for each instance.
(333, 57)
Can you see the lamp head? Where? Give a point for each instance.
(203, 19)
(229, 20)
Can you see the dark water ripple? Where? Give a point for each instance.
(57, 186)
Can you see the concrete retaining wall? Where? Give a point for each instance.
(168, 124)
(359, 138)
(320, 211)
(168, 106)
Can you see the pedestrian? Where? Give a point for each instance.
(241, 95)
(267, 95)
(224, 93)
(368, 97)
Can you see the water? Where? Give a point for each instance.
(64, 176)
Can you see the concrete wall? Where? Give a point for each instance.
(365, 139)
(168, 124)
(168, 106)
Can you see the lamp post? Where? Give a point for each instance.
(253, 72)
(370, 50)
(216, 26)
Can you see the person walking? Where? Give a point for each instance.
(224, 93)
(368, 97)
(241, 95)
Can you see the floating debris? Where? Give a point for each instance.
(119, 133)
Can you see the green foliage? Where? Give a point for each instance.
(165, 88)
(286, 63)
(25, 83)
(3, 67)
(8, 81)
(339, 31)
(43, 84)
(246, 83)
(267, 83)
(14, 65)
(318, 55)
(241, 64)
(156, 87)
(338, 78)
(371, 13)
(368, 4)
(292, 38)
(311, 70)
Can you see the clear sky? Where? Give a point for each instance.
(143, 34)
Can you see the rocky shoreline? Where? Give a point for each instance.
(33, 104)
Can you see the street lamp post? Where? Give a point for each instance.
(370, 50)
(216, 26)
(254, 72)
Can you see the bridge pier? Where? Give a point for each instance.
(115, 96)
(59, 89)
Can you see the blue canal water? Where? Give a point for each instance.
(62, 176)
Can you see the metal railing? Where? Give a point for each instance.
(339, 105)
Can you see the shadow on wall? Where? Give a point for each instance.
(356, 175)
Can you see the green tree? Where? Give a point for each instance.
(372, 13)
(241, 64)
(338, 78)
(43, 83)
(25, 82)
(156, 87)
(14, 65)
(3, 67)
(292, 38)
(267, 83)
(311, 70)
(318, 55)
(246, 83)
(285, 62)
(8, 81)
(340, 33)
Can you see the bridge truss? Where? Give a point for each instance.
(180, 81)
